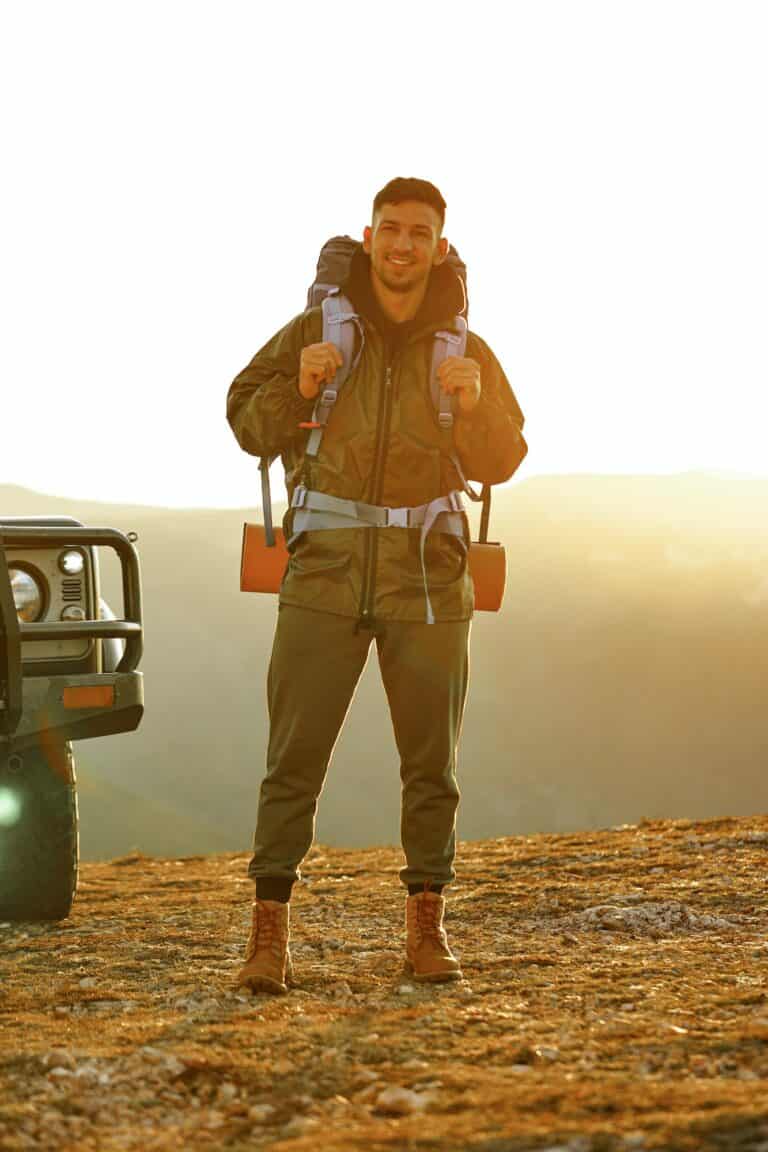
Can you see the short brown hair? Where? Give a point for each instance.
(409, 188)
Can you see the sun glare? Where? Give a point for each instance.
(10, 808)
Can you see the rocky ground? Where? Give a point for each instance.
(614, 998)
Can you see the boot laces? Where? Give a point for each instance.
(428, 921)
(266, 932)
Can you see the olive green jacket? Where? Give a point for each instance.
(382, 445)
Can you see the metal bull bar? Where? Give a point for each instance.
(13, 633)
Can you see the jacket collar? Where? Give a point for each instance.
(443, 301)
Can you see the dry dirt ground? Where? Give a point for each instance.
(614, 998)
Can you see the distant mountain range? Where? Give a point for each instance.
(625, 676)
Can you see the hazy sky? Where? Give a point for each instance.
(170, 171)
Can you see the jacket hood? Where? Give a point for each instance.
(443, 301)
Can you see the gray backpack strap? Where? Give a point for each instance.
(446, 344)
(339, 323)
(266, 500)
(449, 344)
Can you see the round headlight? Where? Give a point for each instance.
(72, 562)
(73, 612)
(27, 595)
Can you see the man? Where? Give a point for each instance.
(384, 448)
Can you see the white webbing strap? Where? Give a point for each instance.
(318, 511)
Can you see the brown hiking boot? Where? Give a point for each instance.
(267, 965)
(427, 955)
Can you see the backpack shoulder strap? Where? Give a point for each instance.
(446, 344)
(454, 344)
(339, 323)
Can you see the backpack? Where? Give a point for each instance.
(262, 570)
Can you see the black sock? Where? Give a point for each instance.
(415, 889)
(274, 888)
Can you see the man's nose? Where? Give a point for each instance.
(404, 241)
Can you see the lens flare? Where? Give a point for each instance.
(10, 808)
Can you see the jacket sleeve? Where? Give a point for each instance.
(264, 405)
(489, 440)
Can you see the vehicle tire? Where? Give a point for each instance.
(39, 847)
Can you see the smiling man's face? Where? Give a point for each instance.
(404, 245)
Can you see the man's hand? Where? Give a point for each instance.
(318, 366)
(461, 374)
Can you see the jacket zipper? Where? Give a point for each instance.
(372, 537)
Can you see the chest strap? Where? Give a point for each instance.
(318, 511)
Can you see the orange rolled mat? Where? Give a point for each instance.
(262, 568)
(488, 568)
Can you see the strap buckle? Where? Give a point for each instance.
(397, 517)
(299, 496)
(445, 420)
(329, 397)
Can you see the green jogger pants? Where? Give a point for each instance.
(317, 660)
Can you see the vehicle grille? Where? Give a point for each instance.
(71, 591)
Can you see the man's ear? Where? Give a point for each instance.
(367, 236)
(440, 252)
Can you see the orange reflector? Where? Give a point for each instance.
(90, 696)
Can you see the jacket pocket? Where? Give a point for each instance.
(314, 554)
(445, 560)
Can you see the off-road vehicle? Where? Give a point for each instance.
(68, 671)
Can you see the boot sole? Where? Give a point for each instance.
(263, 984)
(432, 977)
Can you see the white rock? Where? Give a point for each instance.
(395, 1101)
(59, 1073)
(260, 1113)
(89, 1073)
(88, 982)
(406, 990)
(227, 1093)
(300, 1126)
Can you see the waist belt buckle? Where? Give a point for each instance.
(397, 517)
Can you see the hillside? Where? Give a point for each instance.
(614, 999)
(625, 676)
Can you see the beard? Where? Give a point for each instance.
(394, 284)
